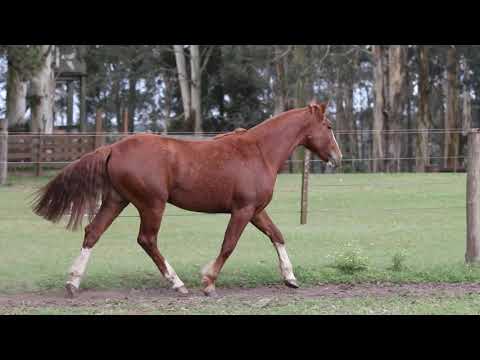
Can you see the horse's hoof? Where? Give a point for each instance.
(210, 292)
(292, 283)
(182, 290)
(71, 290)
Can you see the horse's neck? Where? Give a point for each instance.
(278, 138)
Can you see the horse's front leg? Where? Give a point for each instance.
(263, 222)
(238, 221)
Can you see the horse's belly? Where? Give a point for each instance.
(201, 201)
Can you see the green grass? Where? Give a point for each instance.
(380, 216)
(395, 305)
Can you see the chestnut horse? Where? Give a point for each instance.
(232, 174)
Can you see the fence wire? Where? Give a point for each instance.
(214, 133)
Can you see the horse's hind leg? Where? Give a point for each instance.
(147, 239)
(110, 209)
(263, 222)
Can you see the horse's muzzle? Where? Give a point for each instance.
(334, 161)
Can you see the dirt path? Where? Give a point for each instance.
(94, 298)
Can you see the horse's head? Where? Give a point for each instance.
(319, 137)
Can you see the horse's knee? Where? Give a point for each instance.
(145, 241)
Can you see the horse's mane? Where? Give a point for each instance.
(313, 108)
(234, 132)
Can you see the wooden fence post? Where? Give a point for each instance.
(99, 136)
(305, 176)
(38, 155)
(3, 151)
(473, 191)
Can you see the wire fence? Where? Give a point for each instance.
(399, 149)
(213, 133)
(360, 155)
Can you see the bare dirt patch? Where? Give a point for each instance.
(164, 296)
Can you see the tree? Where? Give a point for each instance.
(191, 87)
(379, 113)
(183, 80)
(451, 139)
(280, 84)
(43, 91)
(23, 61)
(396, 101)
(424, 118)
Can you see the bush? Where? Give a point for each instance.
(350, 260)
(398, 261)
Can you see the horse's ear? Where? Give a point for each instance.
(323, 108)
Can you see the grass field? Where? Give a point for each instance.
(393, 228)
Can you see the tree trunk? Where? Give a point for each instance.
(280, 82)
(116, 90)
(410, 136)
(183, 80)
(396, 82)
(43, 92)
(467, 100)
(168, 101)
(196, 88)
(424, 119)
(132, 100)
(378, 118)
(16, 96)
(451, 120)
(350, 118)
(70, 96)
(345, 116)
(83, 104)
(300, 101)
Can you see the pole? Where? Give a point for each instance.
(305, 176)
(473, 191)
(3, 151)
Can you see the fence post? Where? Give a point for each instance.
(38, 155)
(3, 151)
(473, 236)
(99, 136)
(305, 176)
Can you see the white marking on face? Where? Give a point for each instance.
(334, 138)
(172, 276)
(78, 267)
(285, 264)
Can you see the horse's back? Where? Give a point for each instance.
(194, 175)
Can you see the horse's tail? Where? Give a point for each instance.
(76, 190)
